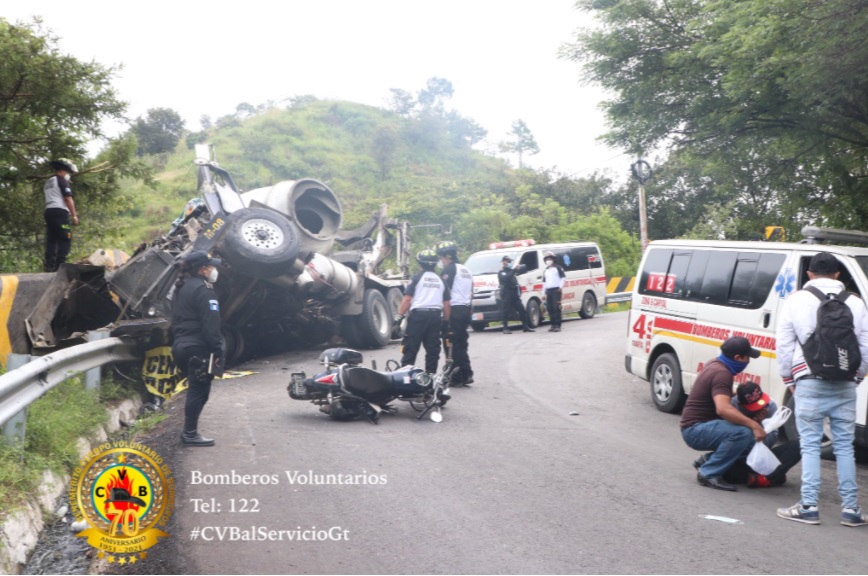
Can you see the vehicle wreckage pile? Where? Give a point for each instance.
(284, 286)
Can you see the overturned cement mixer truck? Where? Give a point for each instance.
(284, 285)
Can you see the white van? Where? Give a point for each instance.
(692, 295)
(584, 286)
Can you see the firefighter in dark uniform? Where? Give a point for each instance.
(427, 300)
(553, 284)
(459, 280)
(510, 297)
(196, 332)
(59, 214)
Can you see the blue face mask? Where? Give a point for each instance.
(734, 366)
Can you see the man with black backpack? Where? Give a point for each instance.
(822, 348)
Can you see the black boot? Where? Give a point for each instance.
(195, 439)
(506, 330)
(527, 328)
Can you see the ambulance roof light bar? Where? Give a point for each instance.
(816, 235)
(512, 244)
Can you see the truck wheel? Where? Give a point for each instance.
(533, 313)
(375, 322)
(666, 389)
(259, 242)
(393, 299)
(589, 306)
(479, 326)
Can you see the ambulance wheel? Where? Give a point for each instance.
(479, 326)
(533, 313)
(589, 306)
(667, 391)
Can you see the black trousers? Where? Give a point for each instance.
(553, 305)
(58, 238)
(189, 361)
(459, 321)
(512, 303)
(423, 328)
(789, 453)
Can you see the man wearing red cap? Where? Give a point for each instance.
(709, 421)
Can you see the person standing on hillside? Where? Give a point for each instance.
(59, 214)
(817, 396)
(459, 280)
(510, 297)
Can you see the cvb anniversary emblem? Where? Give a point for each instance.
(126, 494)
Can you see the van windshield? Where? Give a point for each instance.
(487, 262)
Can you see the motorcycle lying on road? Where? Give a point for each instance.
(346, 390)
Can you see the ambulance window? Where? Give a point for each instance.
(766, 276)
(530, 260)
(742, 280)
(579, 259)
(718, 273)
(696, 274)
(654, 271)
(677, 274)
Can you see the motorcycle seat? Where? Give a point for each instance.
(370, 384)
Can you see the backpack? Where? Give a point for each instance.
(832, 351)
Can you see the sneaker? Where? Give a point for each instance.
(552, 329)
(469, 381)
(808, 515)
(758, 481)
(850, 517)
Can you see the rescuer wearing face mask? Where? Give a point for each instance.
(198, 342)
(59, 214)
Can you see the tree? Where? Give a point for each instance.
(383, 148)
(401, 102)
(522, 142)
(52, 106)
(159, 132)
(781, 81)
(435, 93)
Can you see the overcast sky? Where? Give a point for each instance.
(207, 57)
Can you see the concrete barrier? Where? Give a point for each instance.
(19, 294)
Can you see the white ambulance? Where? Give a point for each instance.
(584, 287)
(692, 295)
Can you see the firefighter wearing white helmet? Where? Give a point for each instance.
(59, 214)
(459, 280)
(553, 284)
(426, 298)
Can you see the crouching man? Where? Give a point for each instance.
(710, 422)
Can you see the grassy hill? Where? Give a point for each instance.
(421, 167)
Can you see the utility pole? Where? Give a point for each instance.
(642, 172)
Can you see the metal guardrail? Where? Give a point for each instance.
(21, 386)
(618, 297)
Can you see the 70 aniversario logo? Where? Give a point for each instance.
(126, 494)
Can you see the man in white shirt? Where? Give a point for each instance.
(818, 397)
(553, 284)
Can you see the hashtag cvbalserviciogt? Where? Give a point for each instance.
(260, 533)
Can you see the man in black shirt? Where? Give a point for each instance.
(510, 297)
(197, 337)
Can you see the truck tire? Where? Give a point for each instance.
(589, 306)
(666, 388)
(374, 324)
(393, 299)
(259, 242)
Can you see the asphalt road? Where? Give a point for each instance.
(509, 482)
